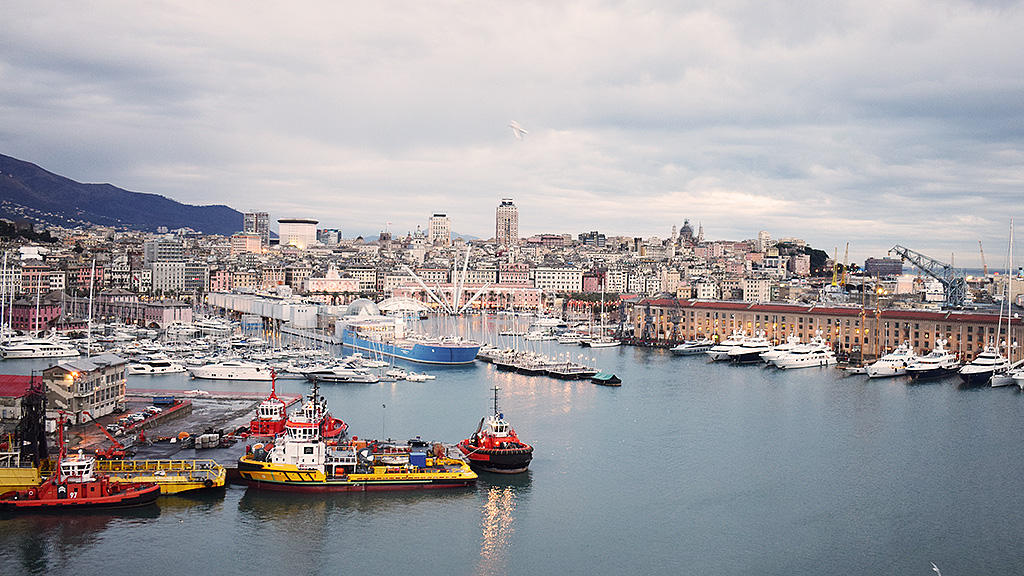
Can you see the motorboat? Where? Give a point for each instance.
(937, 363)
(155, 366)
(37, 348)
(341, 374)
(692, 347)
(777, 351)
(817, 352)
(232, 370)
(720, 351)
(894, 363)
(750, 350)
(980, 370)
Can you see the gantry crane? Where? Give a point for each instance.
(984, 267)
(954, 284)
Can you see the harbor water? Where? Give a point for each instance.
(688, 468)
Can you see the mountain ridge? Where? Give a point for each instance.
(30, 191)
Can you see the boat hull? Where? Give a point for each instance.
(289, 478)
(22, 502)
(432, 353)
(497, 461)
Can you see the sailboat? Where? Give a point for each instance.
(602, 340)
(990, 362)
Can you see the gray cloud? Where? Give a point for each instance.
(843, 121)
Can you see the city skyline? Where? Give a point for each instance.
(851, 123)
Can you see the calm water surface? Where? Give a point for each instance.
(689, 467)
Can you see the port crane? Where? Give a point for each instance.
(954, 284)
(116, 452)
(984, 266)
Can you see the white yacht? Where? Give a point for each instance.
(980, 370)
(937, 363)
(817, 352)
(155, 366)
(720, 351)
(894, 363)
(778, 351)
(750, 350)
(692, 347)
(38, 348)
(342, 374)
(232, 370)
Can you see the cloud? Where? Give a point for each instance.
(835, 122)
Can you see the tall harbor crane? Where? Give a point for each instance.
(954, 284)
(984, 267)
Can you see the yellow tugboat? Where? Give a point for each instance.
(302, 461)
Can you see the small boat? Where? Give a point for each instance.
(342, 374)
(606, 379)
(75, 485)
(495, 447)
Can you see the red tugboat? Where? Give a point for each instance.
(270, 414)
(271, 417)
(76, 485)
(494, 447)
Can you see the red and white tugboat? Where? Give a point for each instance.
(494, 447)
(76, 485)
(270, 414)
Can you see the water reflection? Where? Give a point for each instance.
(44, 543)
(498, 528)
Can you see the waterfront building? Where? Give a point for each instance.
(196, 276)
(258, 223)
(297, 232)
(440, 230)
(506, 229)
(95, 385)
(12, 389)
(168, 277)
(34, 314)
(514, 273)
(849, 329)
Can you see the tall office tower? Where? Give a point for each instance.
(440, 230)
(258, 223)
(506, 230)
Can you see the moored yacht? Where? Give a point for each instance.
(937, 363)
(692, 347)
(979, 371)
(894, 363)
(720, 351)
(232, 370)
(817, 352)
(780, 350)
(750, 350)
(37, 348)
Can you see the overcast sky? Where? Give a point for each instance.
(873, 123)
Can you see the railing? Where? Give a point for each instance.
(189, 469)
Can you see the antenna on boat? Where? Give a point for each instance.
(495, 399)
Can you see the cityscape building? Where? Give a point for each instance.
(297, 232)
(440, 230)
(506, 231)
(258, 223)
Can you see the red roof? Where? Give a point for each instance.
(13, 386)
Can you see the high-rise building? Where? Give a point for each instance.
(258, 223)
(440, 230)
(506, 230)
(297, 232)
(163, 249)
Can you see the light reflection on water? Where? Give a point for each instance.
(498, 528)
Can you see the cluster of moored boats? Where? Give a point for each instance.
(989, 367)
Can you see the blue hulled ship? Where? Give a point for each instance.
(364, 328)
